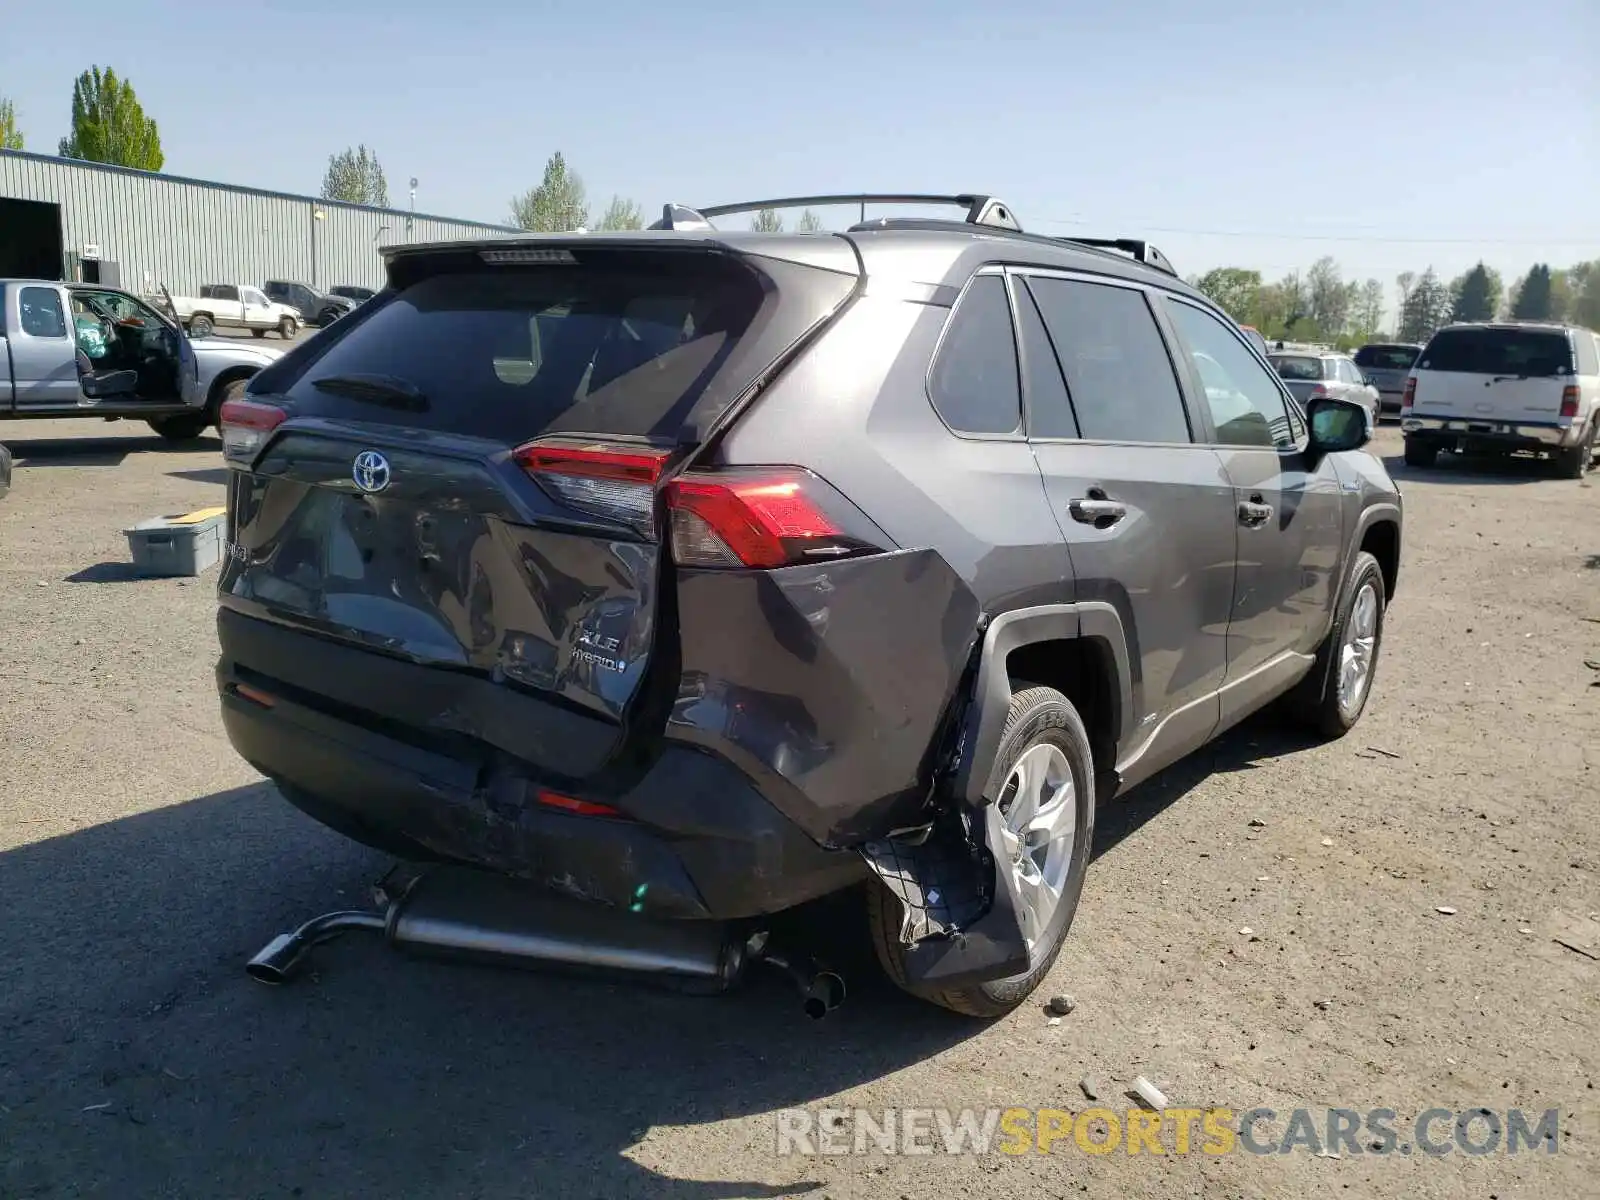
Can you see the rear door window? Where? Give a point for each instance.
(1119, 376)
(1517, 353)
(510, 353)
(1386, 358)
(974, 381)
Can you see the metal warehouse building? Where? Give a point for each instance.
(65, 219)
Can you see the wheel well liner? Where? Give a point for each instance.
(1381, 539)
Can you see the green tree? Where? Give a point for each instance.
(10, 135)
(1584, 280)
(1427, 308)
(767, 221)
(1367, 310)
(1475, 296)
(809, 222)
(1235, 290)
(1535, 299)
(109, 126)
(1327, 297)
(557, 205)
(1403, 283)
(356, 177)
(621, 214)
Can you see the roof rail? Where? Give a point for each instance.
(1140, 250)
(679, 216)
(981, 210)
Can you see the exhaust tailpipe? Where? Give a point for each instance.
(821, 991)
(278, 961)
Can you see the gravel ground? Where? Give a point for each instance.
(141, 863)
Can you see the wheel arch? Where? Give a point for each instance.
(1081, 650)
(223, 378)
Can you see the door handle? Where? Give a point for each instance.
(1253, 512)
(1095, 509)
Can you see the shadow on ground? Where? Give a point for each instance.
(1467, 468)
(137, 1059)
(101, 452)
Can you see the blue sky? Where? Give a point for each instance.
(1390, 135)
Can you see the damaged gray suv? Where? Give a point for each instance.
(687, 575)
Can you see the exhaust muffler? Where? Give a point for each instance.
(462, 914)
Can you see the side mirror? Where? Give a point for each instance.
(1338, 424)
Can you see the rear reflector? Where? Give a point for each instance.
(1569, 401)
(245, 426)
(579, 808)
(763, 518)
(607, 479)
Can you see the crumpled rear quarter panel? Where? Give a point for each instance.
(826, 684)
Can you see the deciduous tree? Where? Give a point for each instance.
(767, 221)
(621, 214)
(10, 135)
(557, 205)
(1235, 290)
(109, 125)
(356, 177)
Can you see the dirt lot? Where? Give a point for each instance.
(141, 863)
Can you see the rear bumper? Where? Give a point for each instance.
(1505, 435)
(713, 848)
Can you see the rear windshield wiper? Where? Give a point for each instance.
(388, 390)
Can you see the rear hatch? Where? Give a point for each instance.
(455, 481)
(1302, 374)
(1386, 366)
(1494, 374)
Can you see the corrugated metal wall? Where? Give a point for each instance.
(186, 232)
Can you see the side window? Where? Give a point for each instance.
(1588, 361)
(1049, 410)
(1351, 373)
(1246, 404)
(974, 379)
(41, 313)
(1118, 372)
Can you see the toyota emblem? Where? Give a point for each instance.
(370, 471)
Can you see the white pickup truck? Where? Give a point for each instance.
(236, 306)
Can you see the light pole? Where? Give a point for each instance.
(412, 216)
(317, 214)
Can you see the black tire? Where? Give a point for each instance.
(182, 428)
(1315, 702)
(1574, 463)
(260, 333)
(1037, 715)
(5, 471)
(287, 328)
(1421, 454)
(201, 325)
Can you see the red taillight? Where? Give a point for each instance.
(245, 425)
(1569, 401)
(763, 518)
(604, 478)
(579, 808)
(1317, 392)
(1409, 395)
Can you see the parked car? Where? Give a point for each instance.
(1309, 374)
(236, 306)
(1504, 387)
(318, 308)
(5, 471)
(1386, 365)
(82, 350)
(554, 565)
(351, 292)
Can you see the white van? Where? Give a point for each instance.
(1503, 387)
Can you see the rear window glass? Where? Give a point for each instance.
(1387, 358)
(515, 352)
(1298, 367)
(1535, 353)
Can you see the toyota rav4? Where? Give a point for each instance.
(699, 574)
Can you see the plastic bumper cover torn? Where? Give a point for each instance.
(961, 917)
